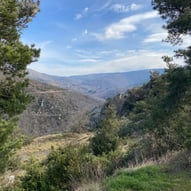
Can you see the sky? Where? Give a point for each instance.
(78, 37)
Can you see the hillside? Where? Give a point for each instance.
(149, 158)
(97, 85)
(55, 110)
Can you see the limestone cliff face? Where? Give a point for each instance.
(56, 110)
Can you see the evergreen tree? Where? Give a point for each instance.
(178, 23)
(14, 58)
(177, 15)
(106, 138)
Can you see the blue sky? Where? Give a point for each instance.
(97, 36)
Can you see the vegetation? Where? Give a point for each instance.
(14, 58)
(151, 178)
(177, 15)
(55, 110)
(106, 138)
(157, 117)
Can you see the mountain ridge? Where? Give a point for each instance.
(101, 85)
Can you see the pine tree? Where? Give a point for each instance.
(106, 138)
(178, 24)
(14, 59)
(178, 17)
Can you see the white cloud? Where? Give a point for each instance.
(88, 60)
(85, 32)
(79, 16)
(135, 61)
(157, 37)
(135, 7)
(43, 44)
(120, 8)
(74, 39)
(104, 6)
(128, 24)
(86, 10)
(129, 61)
(186, 41)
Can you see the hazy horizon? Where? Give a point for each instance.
(83, 37)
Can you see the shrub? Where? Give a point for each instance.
(106, 138)
(64, 167)
(34, 178)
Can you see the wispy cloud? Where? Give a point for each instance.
(128, 24)
(78, 16)
(88, 60)
(128, 61)
(122, 8)
(81, 14)
(44, 44)
(157, 37)
(40, 44)
(85, 32)
(74, 39)
(104, 6)
(135, 6)
(186, 41)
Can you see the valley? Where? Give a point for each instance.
(99, 86)
(59, 107)
(105, 130)
(56, 110)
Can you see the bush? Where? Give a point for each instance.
(64, 167)
(34, 178)
(94, 167)
(104, 142)
(106, 138)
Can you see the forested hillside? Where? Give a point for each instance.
(56, 110)
(142, 141)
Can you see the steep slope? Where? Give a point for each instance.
(55, 110)
(97, 85)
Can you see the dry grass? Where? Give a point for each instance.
(90, 186)
(41, 146)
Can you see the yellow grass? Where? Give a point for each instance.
(41, 146)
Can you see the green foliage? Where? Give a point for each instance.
(106, 138)
(151, 178)
(94, 167)
(8, 142)
(34, 178)
(14, 58)
(178, 23)
(162, 118)
(62, 170)
(177, 15)
(64, 167)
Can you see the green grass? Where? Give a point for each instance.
(151, 178)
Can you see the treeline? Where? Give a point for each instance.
(152, 121)
(157, 124)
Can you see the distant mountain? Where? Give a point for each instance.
(97, 85)
(56, 110)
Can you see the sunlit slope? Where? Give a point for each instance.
(56, 110)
